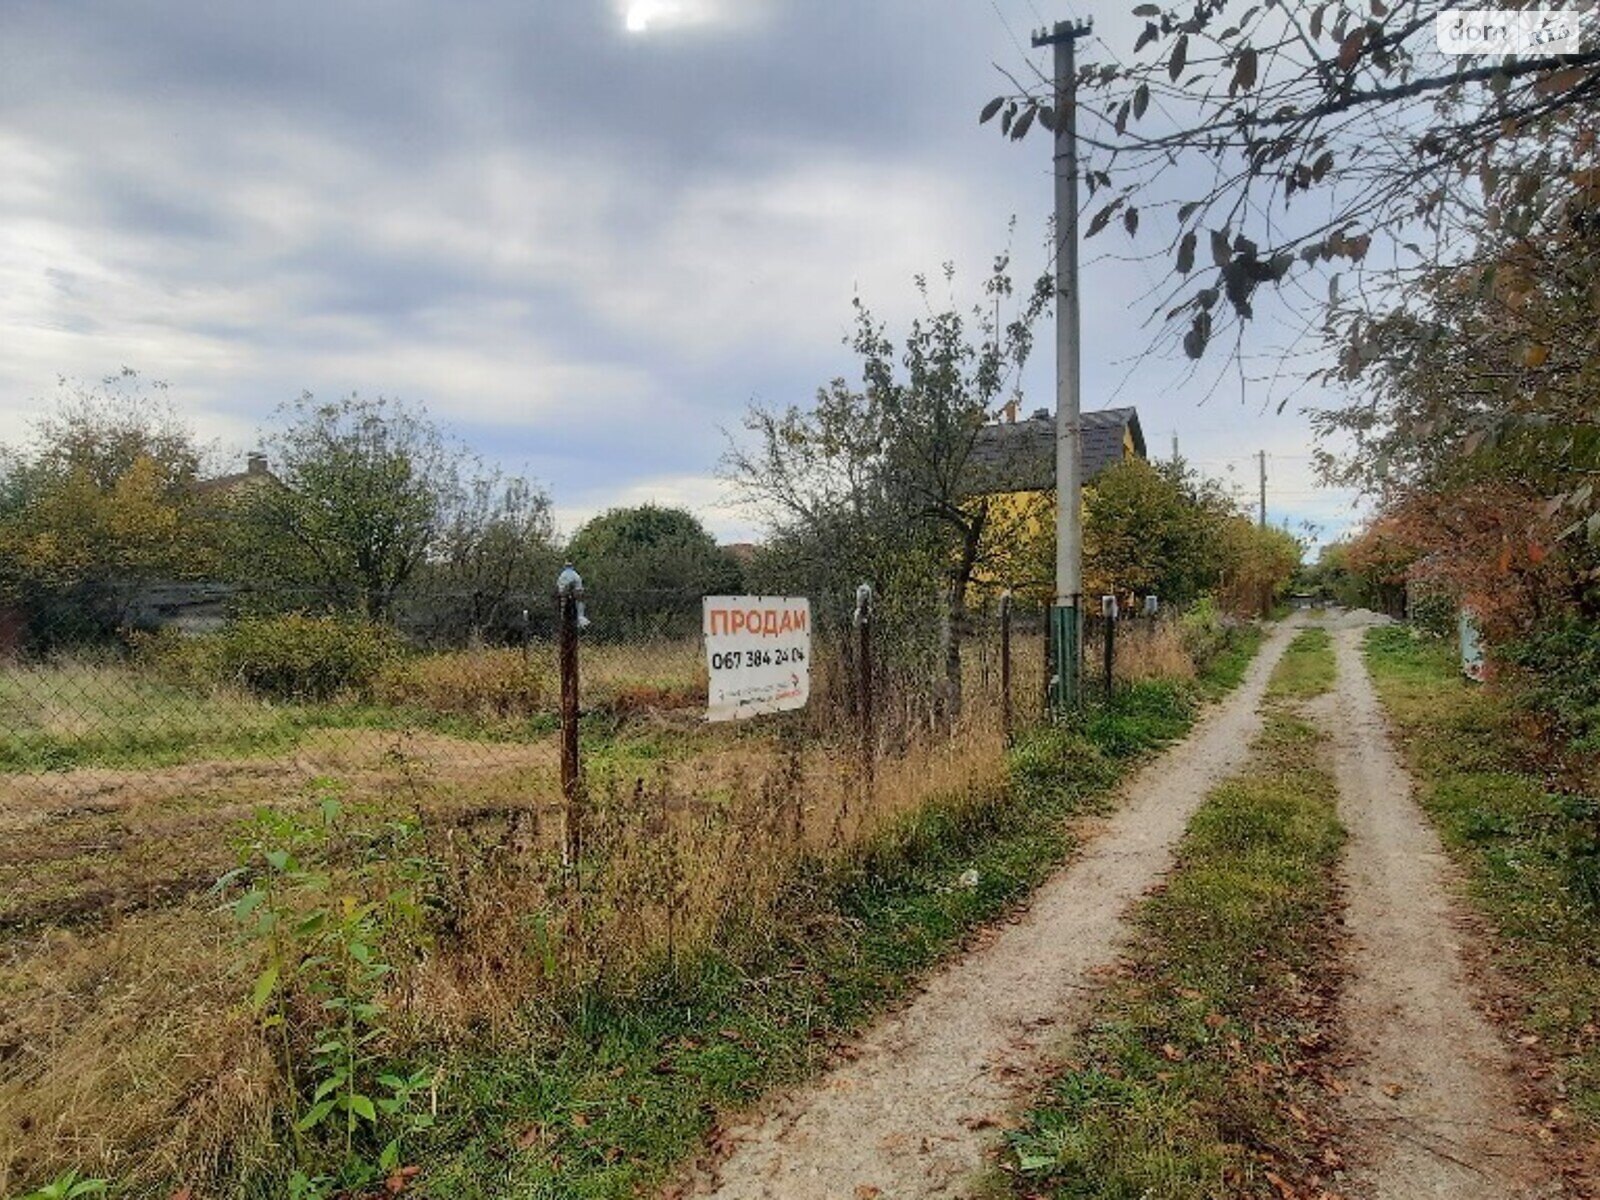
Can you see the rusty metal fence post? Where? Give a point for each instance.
(1005, 665)
(869, 736)
(570, 588)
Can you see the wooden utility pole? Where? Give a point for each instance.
(1066, 615)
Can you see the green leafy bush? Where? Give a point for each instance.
(1204, 632)
(1561, 665)
(1202, 629)
(320, 995)
(177, 659)
(306, 658)
(293, 657)
(1432, 610)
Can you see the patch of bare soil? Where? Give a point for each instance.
(909, 1111)
(1431, 1093)
(83, 844)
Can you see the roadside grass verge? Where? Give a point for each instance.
(1532, 855)
(622, 1088)
(1198, 1072)
(1306, 668)
(1225, 671)
(610, 1089)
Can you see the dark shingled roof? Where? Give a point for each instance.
(256, 471)
(1020, 456)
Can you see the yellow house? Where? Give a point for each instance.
(1013, 466)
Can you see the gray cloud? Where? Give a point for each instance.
(586, 249)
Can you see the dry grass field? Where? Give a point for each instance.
(127, 1048)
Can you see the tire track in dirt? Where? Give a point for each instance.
(1431, 1096)
(912, 1111)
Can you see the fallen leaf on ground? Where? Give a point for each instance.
(528, 1137)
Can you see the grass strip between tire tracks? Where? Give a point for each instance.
(1200, 1071)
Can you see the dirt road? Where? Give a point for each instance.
(1432, 1094)
(912, 1113)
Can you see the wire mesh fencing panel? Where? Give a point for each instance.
(135, 765)
(1141, 648)
(128, 752)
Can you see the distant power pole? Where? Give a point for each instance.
(1261, 457)
(1175, 459)
(1066, 616)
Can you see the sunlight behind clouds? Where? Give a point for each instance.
(646, 16)
(642, 13)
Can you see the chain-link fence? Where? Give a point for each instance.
(128, 752)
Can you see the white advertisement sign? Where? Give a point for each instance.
(758, 653)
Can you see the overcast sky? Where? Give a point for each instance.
(586, 234)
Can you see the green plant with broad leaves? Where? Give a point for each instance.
(319, 993)
(67, 1187)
